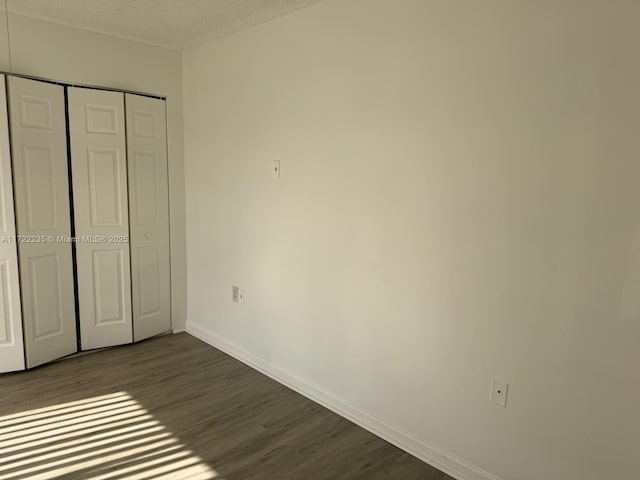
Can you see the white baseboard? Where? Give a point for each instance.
(178, 330)
(440, 459)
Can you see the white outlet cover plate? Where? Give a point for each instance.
(276, 168)
(499, 392)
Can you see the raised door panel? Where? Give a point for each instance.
(41, 190)
(149, 216)
(104, 187)
(11, 343)
(44, 276)
(148, 275)
(35, 112)
(99, 172)
(108, 286)
(145, 175)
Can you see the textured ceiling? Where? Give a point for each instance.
(177, 24)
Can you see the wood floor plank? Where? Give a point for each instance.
(174, 407)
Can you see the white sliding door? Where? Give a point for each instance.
(11, 347)
(41, 188)
(149, 215)
(99, 173)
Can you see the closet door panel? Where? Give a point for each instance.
(99, 172)
(149, 215)
(11, 345)
(41, 188)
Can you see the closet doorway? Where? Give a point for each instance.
(86, 261)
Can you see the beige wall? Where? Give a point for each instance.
(460, 199)
(71, 55)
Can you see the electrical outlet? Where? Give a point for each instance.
(241, 295)
(499, 391)
(235, 293)
(276, 168)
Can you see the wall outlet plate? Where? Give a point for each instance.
(499, 391)
(241, 295)
(276, 168)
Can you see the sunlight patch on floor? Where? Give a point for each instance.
(111, 437)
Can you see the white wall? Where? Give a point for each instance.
(72, 55)
(460, 198)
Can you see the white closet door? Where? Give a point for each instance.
(99, 173)
(41, 188)
(149, 216)
(11, 347)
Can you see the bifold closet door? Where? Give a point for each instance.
(11, 346)
(99, 174)
(149, 215)
(41, 190)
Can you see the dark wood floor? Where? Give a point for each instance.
(174, 407)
